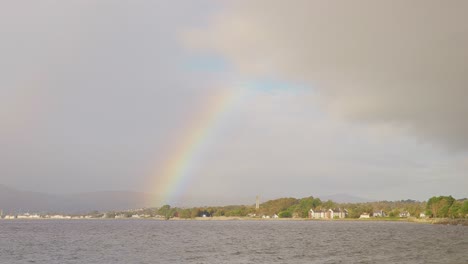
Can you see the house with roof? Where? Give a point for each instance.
(328, 214)
(364, 215)
(379, 213)
(317, 214)
(405, 214)
(337, 213)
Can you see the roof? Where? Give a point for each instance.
(338, 210)
(318, 211)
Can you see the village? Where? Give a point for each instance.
(318, 214)
(38, 216)
(339, 213)
(308, 208)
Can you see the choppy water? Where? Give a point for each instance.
(142, 241)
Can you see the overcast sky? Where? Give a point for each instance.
(368, 98)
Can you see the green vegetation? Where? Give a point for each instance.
(299, 208)
(285, 214)
(435, 207)
(446, 207)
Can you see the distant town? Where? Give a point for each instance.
(439, 207)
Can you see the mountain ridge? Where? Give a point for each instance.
(17, 201)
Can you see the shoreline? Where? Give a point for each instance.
(435, 221)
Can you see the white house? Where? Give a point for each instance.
(364, 215)
(379, 213)
(317, 214)
(337, 213)
(328, 214)
(405, 214)
(29, 216)
(24, 216)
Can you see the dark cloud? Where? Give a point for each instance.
(395, 62)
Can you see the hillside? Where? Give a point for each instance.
(16, 201)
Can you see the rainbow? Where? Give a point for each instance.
(175, 175)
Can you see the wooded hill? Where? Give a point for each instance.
(440, 207)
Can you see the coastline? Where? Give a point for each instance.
(443, 221)
(435, 221)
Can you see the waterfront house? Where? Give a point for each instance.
(24, 216)
(317, 214)
(59, 217)
(405, 214)
(379, 213)
(364, 215)
(328, 214)
(337, 213)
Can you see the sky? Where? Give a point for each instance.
(243, 98)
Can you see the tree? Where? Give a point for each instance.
(285, 214)
(185, 213)
(305, 204)
(195, 212)
(277, 205)
(439, 206)
(166, 211)
(454, 211)
(464, 209)
(110, 215)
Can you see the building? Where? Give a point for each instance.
(317, 214)
(364, 215)
(337, 213)
(23, 216)
(405, 214)
(29, 216)
(328, 214)
(379, 213)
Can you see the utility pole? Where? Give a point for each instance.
(257, 204)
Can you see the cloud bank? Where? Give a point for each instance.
(397, 62)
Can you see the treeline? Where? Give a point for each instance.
(446, 207)
(440, 207)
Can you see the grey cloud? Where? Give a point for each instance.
(93, 95)
(397, 62)
(92, 91)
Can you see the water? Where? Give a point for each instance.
(148, 241)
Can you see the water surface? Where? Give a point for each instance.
(151, 241)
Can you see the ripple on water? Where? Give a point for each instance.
(230, 242)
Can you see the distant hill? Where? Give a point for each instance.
(344, 198)
(12, 200)
(15, 201)
(111, 200)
